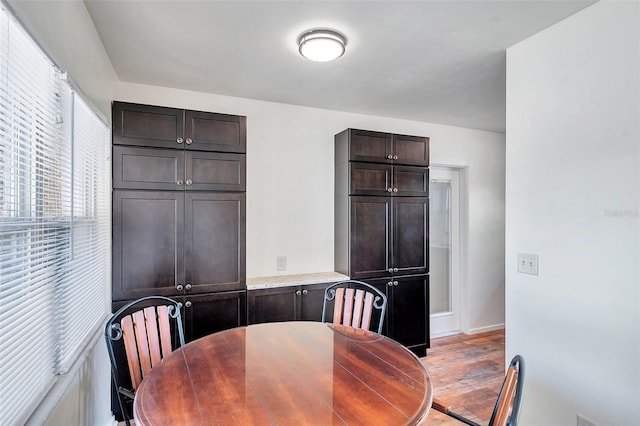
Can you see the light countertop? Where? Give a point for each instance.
(256, 283)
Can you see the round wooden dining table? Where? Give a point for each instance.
(288, 373)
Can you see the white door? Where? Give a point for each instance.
(444, 250)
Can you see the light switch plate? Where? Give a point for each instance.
(528, 263)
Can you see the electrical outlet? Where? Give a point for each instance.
(528, 263)
(281, 263)
(584, 422)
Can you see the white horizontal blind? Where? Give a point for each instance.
(54, 244)
(82, 293)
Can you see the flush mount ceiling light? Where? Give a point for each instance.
(321, 45)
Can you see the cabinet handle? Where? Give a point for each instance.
(395, 157)
(394, 283)
(187, 287)
(390, 283)
(179, 304)
(395, 269)
(390, 157)
(187, 304)
(189, 141)
(389, 189)
(394, 189)
(179, 140)
(179, 181)
(179, 287)
(390, 270)
(189, 182)
(304, 292)
(298, 293)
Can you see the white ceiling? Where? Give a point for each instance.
(431, 61)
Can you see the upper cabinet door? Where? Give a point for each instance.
(369, 146)
(411, 181)
(411, 150)
(145, 125)
(147, 168)
(207, 131)
(213, 171)
(370, 179)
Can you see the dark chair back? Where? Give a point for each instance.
(145, 330)
(507, 409)
(353, 304)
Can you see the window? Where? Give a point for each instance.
(54, 223)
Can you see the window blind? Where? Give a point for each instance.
(54, 223)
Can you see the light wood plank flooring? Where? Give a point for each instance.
(467, 372)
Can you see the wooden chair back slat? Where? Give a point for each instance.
(348, 306)
(140, 328)
(337, 307)
(508, 394)
(165, 330)
(151, 323)
(367, 311)
(358, 306)
(130, 347)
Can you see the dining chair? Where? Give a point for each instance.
(354, 302)
(144, 330)
(507, 409)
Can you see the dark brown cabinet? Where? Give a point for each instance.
(162, 127)
(179, 213)
(387, 180)
(291, 303)
(379, 147)
(175, 170)
(407, 300)
(209, 313)
(170, 243)
(382, 224)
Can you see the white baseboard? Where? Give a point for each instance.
(445, 334)
(487, 328)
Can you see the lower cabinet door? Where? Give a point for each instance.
(409, 320)
(273, 304)
(205, 314)
(311, 303)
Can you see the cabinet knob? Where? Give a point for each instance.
(189, 182)
(179, 287)
(389, 189)
(304, 292)
(187, 287)
(187, 304)
(394, 283)
(395, 157)
(298, 293)
(390, 283)
(390, 157)
(395, 269)
(394, 189)
(189, 141)
(179, 140)
(179, 181)
(179, 304)
(390, 270)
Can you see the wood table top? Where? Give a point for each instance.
(289, 373)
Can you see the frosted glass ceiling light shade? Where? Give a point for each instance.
(321, 45)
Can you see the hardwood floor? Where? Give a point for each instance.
(467, 372)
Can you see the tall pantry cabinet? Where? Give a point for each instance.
(179, 212)
(382, 225)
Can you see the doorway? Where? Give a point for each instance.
(444, 250)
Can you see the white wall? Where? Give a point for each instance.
(573, 191)
(290, 168)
